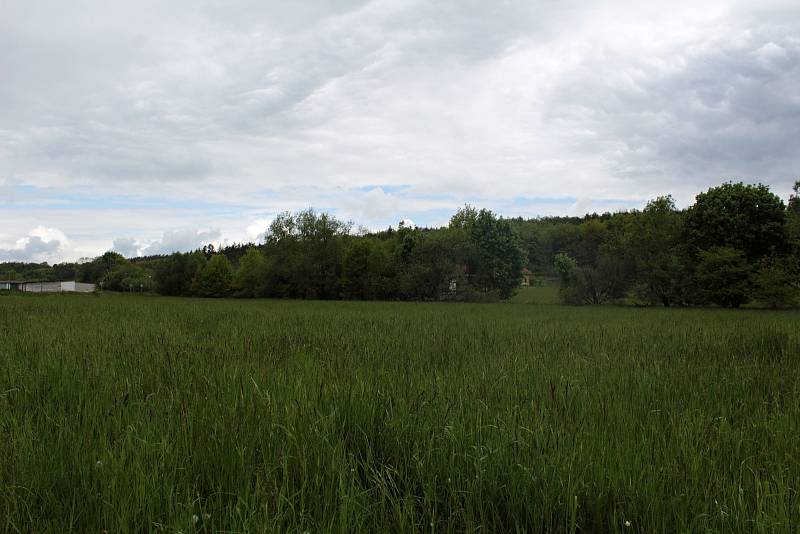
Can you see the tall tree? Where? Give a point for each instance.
(305, 255)
(174, 274)
(495, 260)
(658, 252)
(748, 218)
(364, 270)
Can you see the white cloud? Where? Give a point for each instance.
(771, 54)
(40, 244)
(257, 230)
(230, 114)
(183, 241)
(128, 247)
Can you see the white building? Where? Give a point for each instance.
(11, 284)
(48, 287)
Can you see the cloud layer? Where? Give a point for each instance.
(142, 126)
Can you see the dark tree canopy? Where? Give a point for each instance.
(749, 218)
(722, 277)
(174, 274)
(94, 271)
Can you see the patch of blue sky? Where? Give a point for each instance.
(27, 197)
(387, 188)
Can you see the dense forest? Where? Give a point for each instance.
(738, 243)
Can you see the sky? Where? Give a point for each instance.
(148, 127)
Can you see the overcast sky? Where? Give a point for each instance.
(154, 126)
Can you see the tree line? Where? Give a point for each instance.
(317, 256)
(738, 243)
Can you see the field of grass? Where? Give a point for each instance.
(125, 413)
(545, 294)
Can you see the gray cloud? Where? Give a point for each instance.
(281, 105)
(126, 246)
(41, 244)
(33, 249)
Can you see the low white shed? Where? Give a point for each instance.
(70, 286)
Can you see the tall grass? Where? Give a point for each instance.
(125, 413)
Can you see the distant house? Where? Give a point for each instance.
(40, 286)
(527, 277)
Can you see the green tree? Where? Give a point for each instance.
(495, 260)
(214, 278)
(465, 218)
(777, 283)
(565, 266)
(794, 200)
(251, 275)
(126, 277)
(175, 273)
(658, 253)
(570, 276)
(305, 255)
(748, 218)
(723, 277)
(590, 284)
(593, 235)
(94, 271)
(364, 270)
(64, 271)
(793, 220)
(438, 259)
(9, 273)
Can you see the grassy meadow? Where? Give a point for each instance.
(122, 413)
